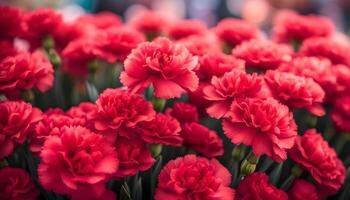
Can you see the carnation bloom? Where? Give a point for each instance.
(133, 156)
(302, 189)
(289, 26)
(185, 28)
(296, 91)
(16, 184)
(319, 69)
(119, 112)
(262, 54)
(77, 163)
(192, 177)
(40, 23)
(315, 155)
(340, 113)
(217, 64)
(150, 23)
(51, 123)
(101, 20)
(183, 112)
(200, 45)
(17, 121)
(257, 186)
(266, 125)
(10, 20)
(119, 42)
(235, 84)
(25, 71)
(235, 31)
(327, 48)
(163, 129)
(83, 114)
(166, 65)
(7, 48)
(198, 99)
(201, 139)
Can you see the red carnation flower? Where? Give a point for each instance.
(17, 121)
(7, 48)
(10, 22)
(16, 184)
(163, 129)
(296, 91)
(198, 99)
(262, 54)
(24, 72)
(325, 47)
(183, 112)
(235, 31)
(83, 114)
(217, 64)
(302, 190)
(289, 26)
(119, 112)
(200, 45)
(266, 125)
(201, 139)
(257, 186)
(320, 70)
(235, 84)
(77, 163)
(101, 20)
(192, 177)
(340, 113)
(53, 120)
(167, 66)
(40, 23)
(315, 155)
(149, 23)
(342, 74)
(120, 41)
(185, 28)
(133, 156)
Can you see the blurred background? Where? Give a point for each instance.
(259, 12)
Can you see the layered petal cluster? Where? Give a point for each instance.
(289, 26)
(315, 155)
(340, 114)
(17, 122)
(257, 186)
(77, 163)
(150, 23)
(192, 177)
(169, 67)
(235, 84)
(102, 20)
(119, 112)
(200, 45)
(83, 114)
(10, 22)
(184, 112)
(262, 54)
(302, 189)
(16, 184)
(296, 91)
(185, 28)
(25, 71)
(265, 125)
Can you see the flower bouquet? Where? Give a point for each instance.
(157, 108)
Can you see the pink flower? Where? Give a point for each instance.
(77, 163)
(167, 66)
(25, 72)
(16, 184)
(7, 49)
(296, 91)
(163, 129)
(17, 122)
(217, 64)
(101, 20)
(83, 114)
(200, 45)
(149, 23)
(133, 156)
(201, 139)
(119, 112)
(185, 28)
(256, 186)
(315, 155)
(262, 54)
(340, 113)
(266, 125)
(183, 112)
(303, 189)
(289, 26)
(235, 84)
(192, 177)
(10, 22)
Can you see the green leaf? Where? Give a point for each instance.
(91, 91)
(137, 193)
(276, 174)
(154, 174)
(124, 192)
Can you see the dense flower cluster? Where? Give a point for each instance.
(159, 108)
